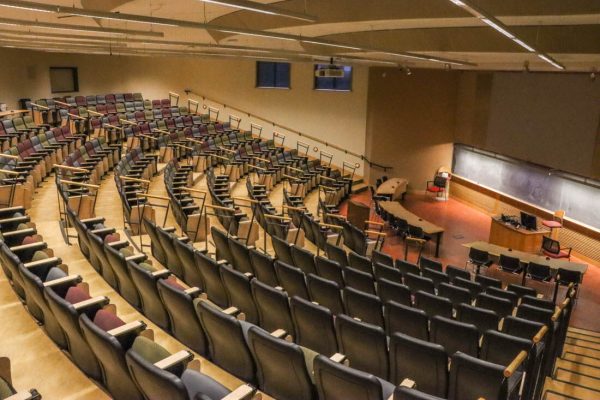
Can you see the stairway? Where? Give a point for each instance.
(359, 185)
(577, 371)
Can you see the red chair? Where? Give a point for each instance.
(551, 248)
(555, 223)
(437, 185)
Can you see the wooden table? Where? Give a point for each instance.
(394, 208)
(10, 113)
(507, 235)
(525, 257)
(394, 188)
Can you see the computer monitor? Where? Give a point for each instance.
(528, 221)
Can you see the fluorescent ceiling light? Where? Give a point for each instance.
(263, 9)
(503, 29)
(79, 28)
(253, 33)
(331, 44)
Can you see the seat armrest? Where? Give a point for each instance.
(118, 244)
(94, 302)
(52, 261)
(162, 273)
(31, 246)
(180, 357)
(137, 257)
(279, 333)
(132, 327)
(67, 280)
(244, 392)
(28, 395)
(102, 231)
(338, 358)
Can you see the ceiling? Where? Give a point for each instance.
(412, 33)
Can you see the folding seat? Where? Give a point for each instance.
(67, 303)
(360, 263)
(147, 104)
(120, 109)
(162, 375)
(70, 100)
(133, 97)
(455, 336)
(273, 307)
(222, 245)
(326, 293)
(482, 318)
(118, 263)
(521, 290)
(338, 254)
(292, 279)
(474, 287)
(130, 107)
(364, 345)
(110, 98)
(436, 276)
(179, 303)
(366, 307)
(90, 100)
(359, 280)
(211, 277)
(509, 264)
(538, 272)
(433, 305)
(241, 256)
(262, 265)
(165, 103)
(283, 369)
(145, 276)
(307, 316)
(420, 361)
(504, 294)
(408, 393)
(407, 268)
(111, 108)
(303, 259)
(478, 258)
(283, 250)
(166, 239)
(425, 262)
(157, 250)
(239, 292)
(472, 378)
(457, 295)
(502, 307)
(157, 115)
(407, 320)
(391, 274)
(545, 304)
(380, 257)
(416, 283)
(487, 282)
(97, 238)
(334, 381)
(109, 347)
(329, 269)
(392, 291)
(156, 104)
(456, 272)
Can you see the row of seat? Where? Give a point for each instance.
(14, 130)
(97, 99)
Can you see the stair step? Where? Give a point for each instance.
(577, 368)
(584, 351)
(578, 379)
(582, 336)
(570, 390)
(584, 332)
(361, 187)
(357, 180)
(583, 343)
(592, 362)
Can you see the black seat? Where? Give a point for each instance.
(338, 254)
(479, 258)
(416, 283)
(482, 318)
(392, 291)
(546, 304)
(226, 338)
(406, 267)
(67, 316)
(303, 259)
(183, 320)
(381, 271)
(326, 293)
(359, 280)
(509, 264)
(425, 262)
(222, 245)
(281, 368)
(263, 267)
(502, 307)
(455, 336)
(472, 378)
(272, 306)
(211, 277)
(241, 256)
(364, 344)
(504, 294)
(239, 292)
(364, 306)
(423, 362)
(433, 305)
(97, 248)
(407, 320)
(538, 272)
(457, 272)
(487, 282)
(283, 250)
(145, 278)
(329, 269)
(110, 351)
(157, 250)
(437, 277)
(521, 290)
(173, 261)
(292, 279)
(473, 287)
(307, 316)
(336, 381)
(191, 273)
(118, 263)
(378, 256)
(455, 294)
(360, 263)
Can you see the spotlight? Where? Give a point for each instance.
(526, 66)
(447, 67)
(407, 71)
(593, 75)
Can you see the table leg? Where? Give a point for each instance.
(437, 244)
